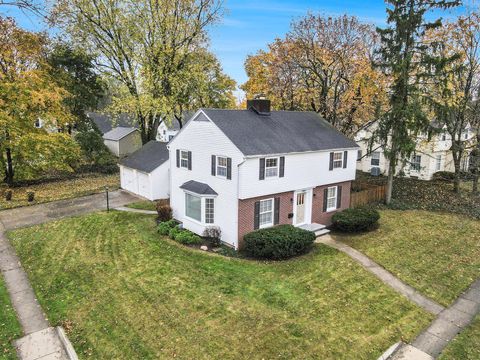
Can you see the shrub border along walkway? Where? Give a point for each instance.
(42, 341)
(448, 323)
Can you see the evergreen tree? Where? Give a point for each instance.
(403, 58)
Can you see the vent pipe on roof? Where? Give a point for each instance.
(260, 105)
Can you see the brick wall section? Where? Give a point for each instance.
(320, 217)
(246, 212)
(246, 208)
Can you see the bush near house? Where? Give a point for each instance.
(164, 228)
(355, 220)
(171, 229)
(188, 238)
(278, 242)
(164, 212)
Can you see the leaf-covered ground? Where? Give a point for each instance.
(9, 326)
(56, 190)
(430, 195)
(466, 346)
(437, 253)
(124, 292)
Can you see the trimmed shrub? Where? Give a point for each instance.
(8, 195)
(188, 238)
(164, 212)
(164, 227)
(354, 220)
(173, 232)
(213, 234)
(277, 243)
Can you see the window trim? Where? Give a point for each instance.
(221, 166)
(272, 211)
(207, 199)
(187, 194)
(372, 158)
(182, 159)
(203, 209)
(277, 166)
(336, 161)
(330, 209)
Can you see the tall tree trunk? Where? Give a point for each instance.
(9, 173)
(391, 173)
(456, 180)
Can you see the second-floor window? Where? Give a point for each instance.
(184, 159)
(338, 160)
(271, 167)
(416, 162)
(221, 166)
(375, 161)
(439, 163)
(359, 155)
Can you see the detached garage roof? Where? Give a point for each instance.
(118, 133)
(148, 158)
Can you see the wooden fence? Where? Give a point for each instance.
(370, 195)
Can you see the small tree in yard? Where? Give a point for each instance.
(403, 59)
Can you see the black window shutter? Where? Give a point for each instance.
(229, 168)
(325, 199)
(282, 166)
(331, 161)
(178, 158)
(214, 172)
(339, 197)
(256, 219)
(261, 175)
(276, 212)
(345, 155)
(189, 160)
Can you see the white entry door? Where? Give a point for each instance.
(300, 207)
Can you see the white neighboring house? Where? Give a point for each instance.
(146, 171)
(242, 170)
(122, 141)
(168, 129)
(430, 157)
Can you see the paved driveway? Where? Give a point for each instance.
(37, 214)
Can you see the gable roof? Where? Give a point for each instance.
(281, 132)
(173, 124)
(148, 157)
(106, 122)
(118, 133)
(198, 188)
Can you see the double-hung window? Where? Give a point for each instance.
(416, 162)
(375, 161)
(209, 210)
(337, 160)
(332, 198)
(359, 155)
(184, 159)
(266, 213)
(221, 166)
(193, 207)
(271, 167)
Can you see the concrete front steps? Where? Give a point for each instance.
(318, 229)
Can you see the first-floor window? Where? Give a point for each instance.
(193, 207)
(266, 213)
(337, 160)
(375, 158)
(332, 198)
(439, 163)
(209, 211)
(416, 162)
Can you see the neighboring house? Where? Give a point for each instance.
(168, 129)
(146, 171)
(122, 141)
(106, 122)
(242, 170)
(432, 155)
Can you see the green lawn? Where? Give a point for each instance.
(439, 254)
(466, 346)
(143, 205)
(9, 326)
(122, 291)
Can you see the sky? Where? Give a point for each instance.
(250, 25)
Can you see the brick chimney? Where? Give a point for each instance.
(260, 105)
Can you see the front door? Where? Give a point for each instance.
(300, 207)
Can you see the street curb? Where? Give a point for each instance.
(67, 345)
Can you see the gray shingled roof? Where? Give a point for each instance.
(173, 124)
(198, 188)
(106, 122)
(118, 133)
(147, 158)
(281, 132)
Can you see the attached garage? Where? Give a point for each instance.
(146, 171)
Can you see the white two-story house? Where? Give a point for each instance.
(242, 170)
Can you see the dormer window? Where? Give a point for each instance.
(271, 167)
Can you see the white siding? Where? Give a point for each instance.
(302, 171)
(164, 134)
(152, 186)
(204, 139)
(160, 181)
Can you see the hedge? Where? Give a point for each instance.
(354, 220)
(277, 243)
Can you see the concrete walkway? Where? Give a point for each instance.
(138, 211)
(41, 341)
(385, 276)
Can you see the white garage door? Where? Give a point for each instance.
(143, 185)
(128, 180)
